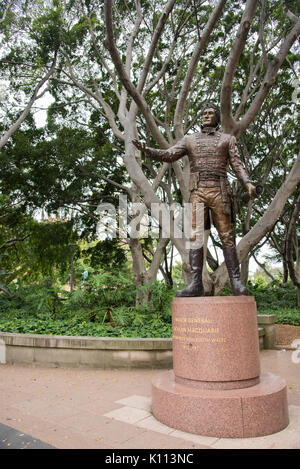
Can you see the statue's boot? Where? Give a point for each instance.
(232, 264)
(195, 287)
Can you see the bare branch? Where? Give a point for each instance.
(252, 74)
(123, 99)
(26, 111)
(13, 242)
(125, 79)
(261, 32)
(98, 53)
(163, 242)
(162, 70)
(273, 212)
(262, 266)
(290, 15)
(98, 97)
(156, 35)
(179, 111)
(110, 181)
(269, 79)
(228, 122)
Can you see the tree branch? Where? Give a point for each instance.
(228, 123)
(125, 79)
(109, 114)
(6, 10)
(198, 50)
(26, 111)
(261, 32)
(269, 80)
(155, 38)
(13, 242)
(156, 259)
(123, 99)
(262, 266)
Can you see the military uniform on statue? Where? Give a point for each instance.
(209, 151)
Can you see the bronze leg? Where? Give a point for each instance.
(223, 225)
(195, 287)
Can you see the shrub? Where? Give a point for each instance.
(274, 295)
(285, 316)
(105, 306)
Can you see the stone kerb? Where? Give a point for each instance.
(2, 352)
(87, 352)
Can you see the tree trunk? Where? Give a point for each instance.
(245, 270)
(139, 270)
(71, 283)
(293, 247)
(285, 271)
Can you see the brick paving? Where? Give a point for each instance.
(111, 409)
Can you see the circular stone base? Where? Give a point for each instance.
(237, 413)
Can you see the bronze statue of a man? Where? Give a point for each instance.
(209, 151)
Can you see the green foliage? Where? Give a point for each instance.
(285, 316)
(51, 246)
(271, 296)
(43, 250)
(107, 289)
(4, 288)
(95, 309)
(106, 254)
(83, 328)
(102, 306)
(46, 31)
(105, 307)
(274, 295)
(39, 301)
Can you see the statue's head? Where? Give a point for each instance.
(210, 115)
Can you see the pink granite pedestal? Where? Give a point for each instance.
(216, 387)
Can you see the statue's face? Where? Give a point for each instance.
(209, 118)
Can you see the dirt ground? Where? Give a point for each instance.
(286, 334)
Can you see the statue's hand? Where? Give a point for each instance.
(251, 190)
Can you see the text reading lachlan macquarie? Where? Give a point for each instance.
(202, 327)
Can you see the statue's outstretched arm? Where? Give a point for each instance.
(168, 156)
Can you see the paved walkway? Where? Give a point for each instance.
(111, 409)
